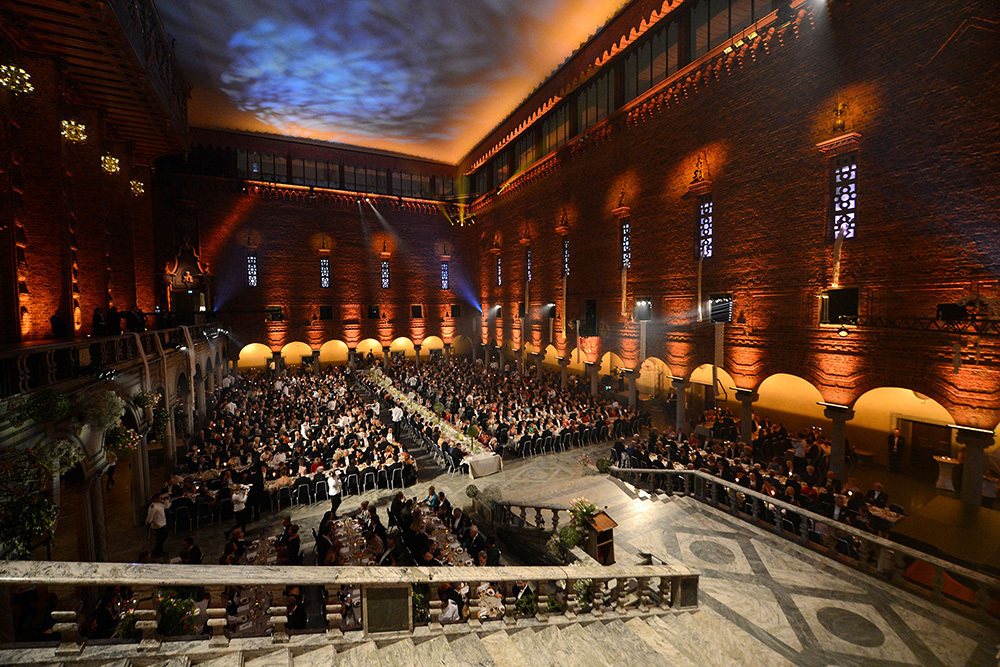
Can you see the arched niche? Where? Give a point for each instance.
(369, 345)
(254, 355)
(293, 353)
(430, 343)
(700, 393)
(333, 353)
(654, 378)
(921, 420)
(790, 400)
(461, 345)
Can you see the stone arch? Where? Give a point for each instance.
(611, 362)
(430, 343)
(700, 393)
(404, 345)
(333, 353)
(654, 377)
(879, 410)
(461, 345)
(293, 353)
(551, 358)
(790, 400)
(369, 345)
(577, 366)
(254, 355)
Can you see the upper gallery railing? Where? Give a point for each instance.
(944, 582)
(26, 368)
(258, 606)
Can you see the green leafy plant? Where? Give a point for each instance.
(439, 407)
(569, 536)
(554, 605)
(160, 419)
(603, 466)
(472, 431)
(554, 548)
(489, 496)
(584, 596)
(421, 614)
(26, 514)
(126, 628)
(178, 614)
(472, 490)
(526, 605)
(43, 407)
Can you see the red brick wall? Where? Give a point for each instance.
(287, 228)
(927, 229)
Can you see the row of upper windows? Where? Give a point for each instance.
(385, 275)
(273, 168)
(657, 55)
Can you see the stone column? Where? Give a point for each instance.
(446, 353)
(417, 348)
(315, 361)
(278, 362)
(138, 487)
(746, 397)
(839, 415)
(94, 543)
(680, 386)
(594, 371)
(563, 371)
(538, 364)
(975, 441)
(201, 408)
(352, 357)
(386, 357)
(631, 375)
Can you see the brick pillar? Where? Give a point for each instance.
(563, 371)
(839, 415)
(746, 397)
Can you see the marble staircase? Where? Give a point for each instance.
(685, 639)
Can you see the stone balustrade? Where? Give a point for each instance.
(560, 595)
(546, 518)
(966, 590)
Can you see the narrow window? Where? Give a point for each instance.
(445, 278)
(844, 194)
(385, 274)
(626, 243)
(706, 221)
(324, 272)
(565, 258)
(252, 269)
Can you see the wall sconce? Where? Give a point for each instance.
(112, 165)
(138, 189)
(843, 332)
(73, 131)
(15, 79)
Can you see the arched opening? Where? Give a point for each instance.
(701, 397)
(254, 355)
(182, 408)
(333, 353)
(577, 361)
(369, 345)
(922, 421)
(461, 346)
(790, 401)
(293, 353)
(431, 344)
(402, 346)
(610, 364)
(654, 378)
(551, 359)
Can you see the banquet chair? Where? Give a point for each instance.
(182, 515)
(285, 492)
(397, 474)
(898, 509)
(320, 491)
(374, 481)
(351, 483)
(303, 490)
(547, 444)
(603, 436)
(204, 512)
(225, 506)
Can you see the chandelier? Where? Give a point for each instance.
(15, 79)
(112, 165)
(137, 188)
(74, 131)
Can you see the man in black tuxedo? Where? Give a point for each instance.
(896, 444)
(877, 496)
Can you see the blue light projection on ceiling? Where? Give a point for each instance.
(426, 77)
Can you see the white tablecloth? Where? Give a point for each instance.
(481, 465)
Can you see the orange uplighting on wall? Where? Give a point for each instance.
(590, 348)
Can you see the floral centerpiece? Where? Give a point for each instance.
(582, 511)
(121, 441)
(59, 456)
(105, 410)
(146, 399)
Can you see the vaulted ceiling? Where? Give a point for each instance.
(421, 77)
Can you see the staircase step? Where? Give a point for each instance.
(689, 643)
(281, 657)
(660, 642)
(735, 642)
(625, 643)
(234, 659)
(362, 655)
(321, 657)
(559, 650)
(179, 661)
(586, 648)
(469, 650)
(434, 653)
(399, 653)
(526, 642)
(503, 651)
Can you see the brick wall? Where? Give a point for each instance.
(927, 229)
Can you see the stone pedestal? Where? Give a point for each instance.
(839, 415)
(417, 349)
(975, 441)
(680, 386)
(594, 371)
(563, 371)
(631, 374)
(746, 397)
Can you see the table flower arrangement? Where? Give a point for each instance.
(582, 511)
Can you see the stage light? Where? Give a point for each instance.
(752, 36)
(729, 49)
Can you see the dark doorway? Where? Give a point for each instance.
(926, 441)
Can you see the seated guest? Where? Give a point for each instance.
(877, 496)
(460, 523)
(190, 552)
(474, 542)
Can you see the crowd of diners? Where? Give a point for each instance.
(315, 434)
(505, 410)
(790, 467)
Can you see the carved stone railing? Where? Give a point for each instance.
(26, 368)
(947, 583)
(546, 518)
(633, 589)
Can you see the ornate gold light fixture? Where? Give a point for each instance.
(138, 189)
(112, 165)
(74, 131)
(15, 79)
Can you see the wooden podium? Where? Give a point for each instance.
(601, 538)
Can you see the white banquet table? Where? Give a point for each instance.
(481, 465)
